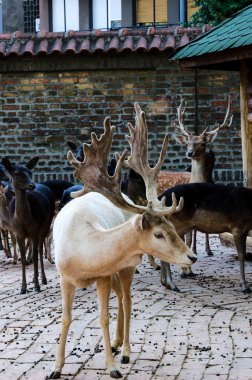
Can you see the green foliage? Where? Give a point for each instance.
(215, 11)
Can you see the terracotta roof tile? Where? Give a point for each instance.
(71, 46)
(97, 41)
(42, 47)
(84, 46)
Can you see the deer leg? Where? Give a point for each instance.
(43, 275)
(21, 244)
(195, 241)
(35, 265)
(14, 245)
(28, 249)
(166, 277)
(116, 286)
(208, 249)
(187, 271)
(8, 247)
(188, 238)
(1, 241)
(240, 243)
(5, 245)
(126, 278)
(67, 292)
(103, 291)
(153, 262)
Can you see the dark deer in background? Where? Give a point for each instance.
(31, 213)
(214, 209)
(8, 194)
(5, 225)
(202, 160)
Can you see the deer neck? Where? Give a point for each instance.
(198, 173)
(22, 209)
(4, 215)
(121, 249)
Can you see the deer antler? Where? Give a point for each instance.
(138, 160)
(180, 123)
(93, 173)
(225, 122)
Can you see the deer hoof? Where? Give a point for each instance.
(175, 289)
(247, 290)
(125, 359)
(44, 281)
(23, 291)
(191, 274)
(210, 253)
(54, 375)
(183, 275)
(115, 374)
(37, 288)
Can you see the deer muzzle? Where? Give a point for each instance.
(192, 258)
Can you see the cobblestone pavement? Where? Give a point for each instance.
(203, 332)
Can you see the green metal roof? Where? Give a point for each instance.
(234, 32)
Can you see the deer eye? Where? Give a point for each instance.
(159, 235)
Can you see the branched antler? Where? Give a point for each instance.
(179, 124)
(92, 172)
(138, 161)
(225, 123)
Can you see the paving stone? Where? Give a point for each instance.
(201, 333)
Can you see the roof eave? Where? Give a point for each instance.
(223, 60)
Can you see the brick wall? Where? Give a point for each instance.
(40, 108)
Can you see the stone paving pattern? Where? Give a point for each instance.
(201, 333)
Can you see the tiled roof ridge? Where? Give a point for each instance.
(123, 32)
(98, 41)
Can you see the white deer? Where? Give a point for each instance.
(95, 241)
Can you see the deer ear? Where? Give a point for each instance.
(211, 136)
(32, 163)
(180, 139)
(142, 222)
(71, 145)
(7, 164)
(138, 222)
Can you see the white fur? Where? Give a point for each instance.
(94, 240)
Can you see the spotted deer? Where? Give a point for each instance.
(202, 160)
(101, 235)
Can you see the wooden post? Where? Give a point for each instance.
(246, 124)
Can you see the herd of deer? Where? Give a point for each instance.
(101, 235)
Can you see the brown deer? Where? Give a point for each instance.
(202, 161)
(31, 213)
(5, 224)
(99, 241)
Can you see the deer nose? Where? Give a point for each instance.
(190, 154)
(31, 186)
(192, 258)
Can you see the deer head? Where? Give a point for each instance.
(93, 170)
(196, 145)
